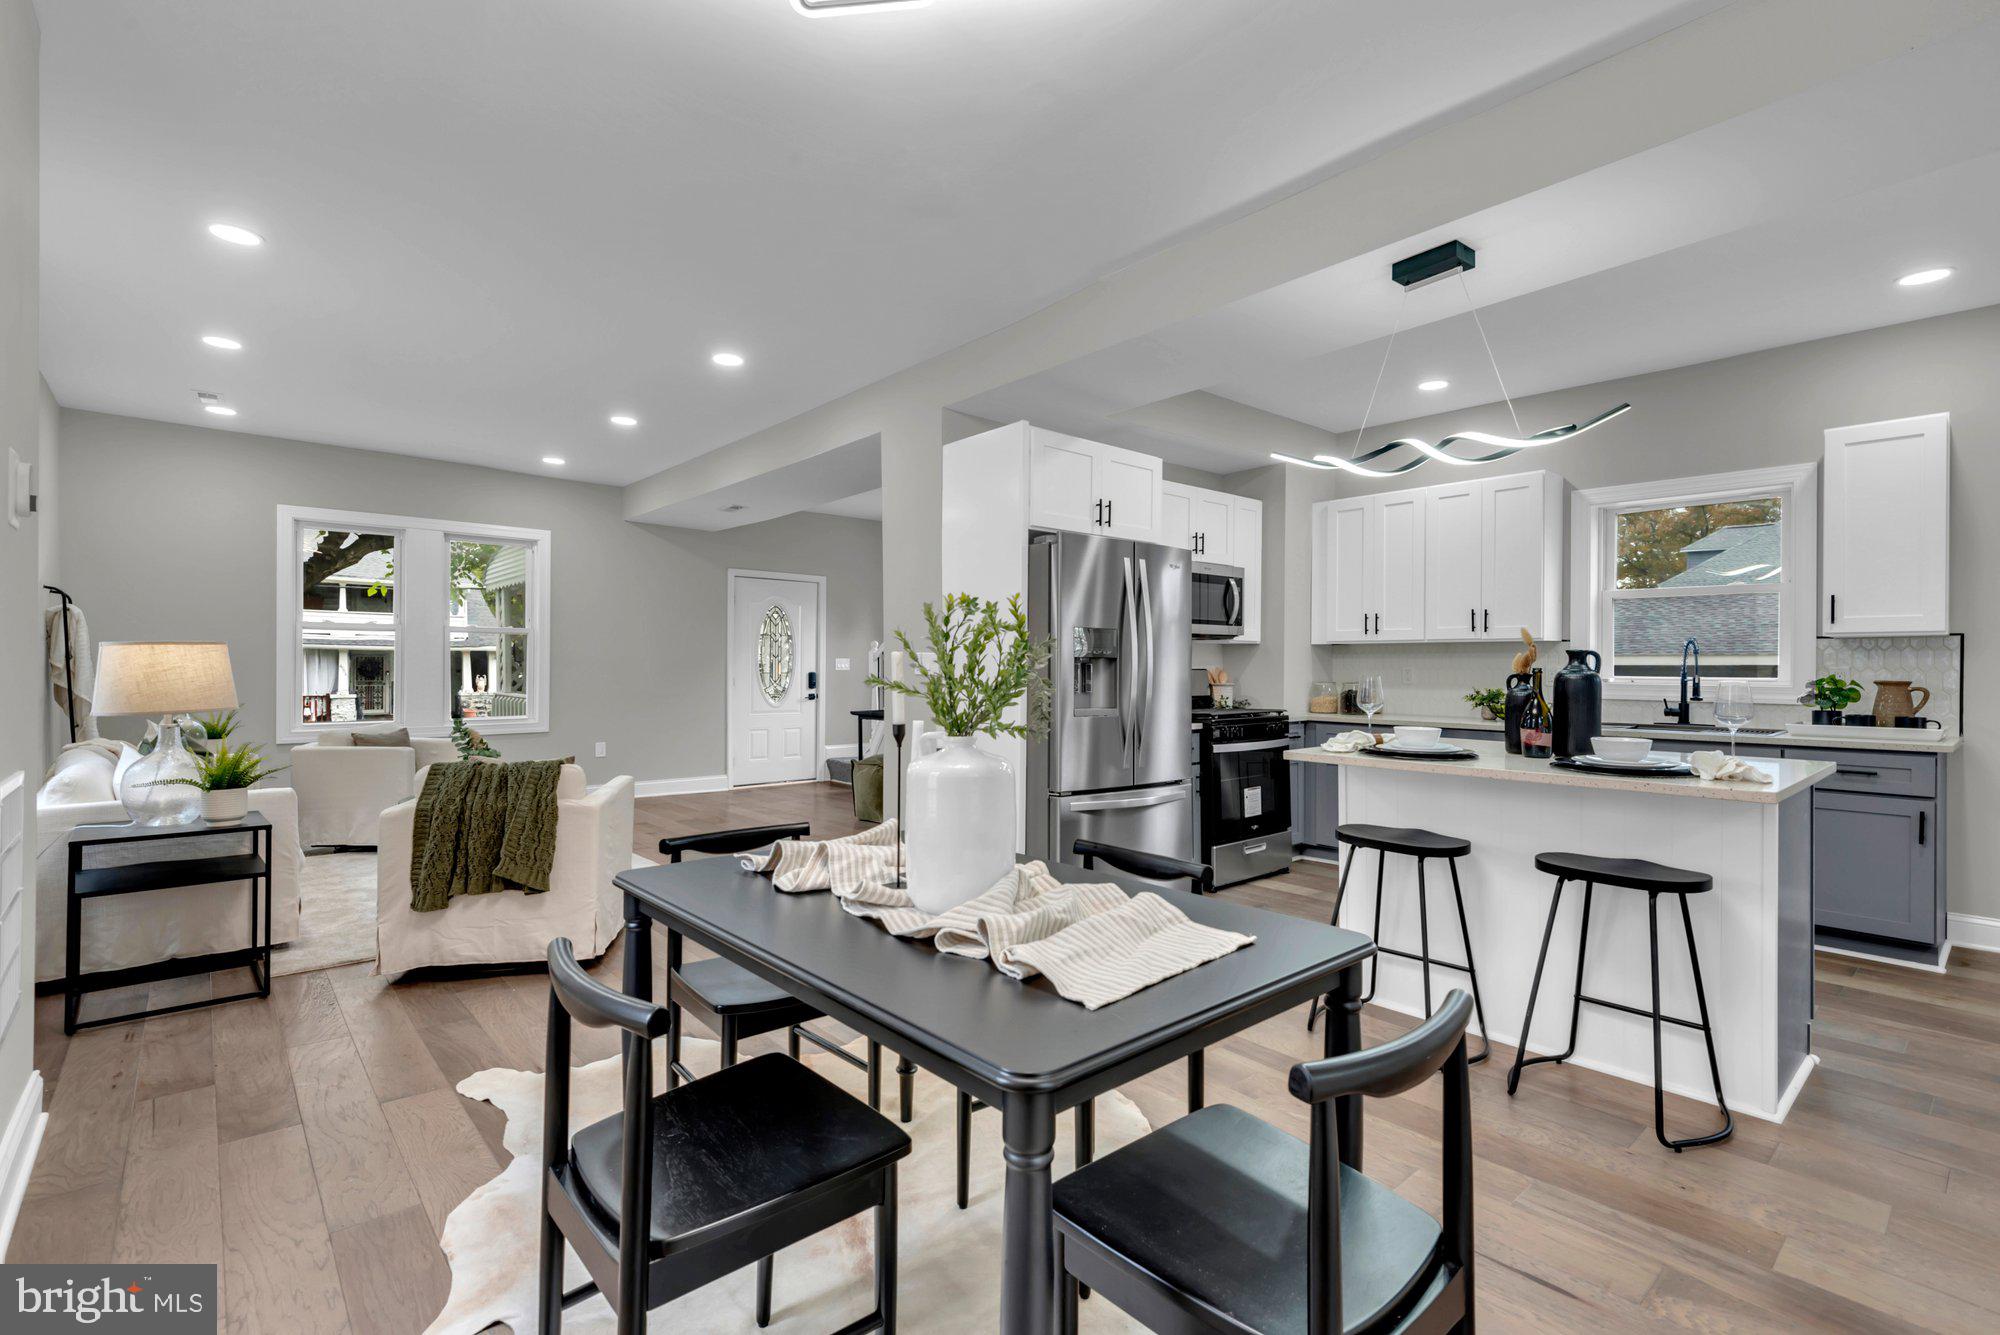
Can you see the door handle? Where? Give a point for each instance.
(1226, 748)
(1164, 796)
(1489, 618)
(1099, 521)
(1232, 593)
(1128, 663)
(1861, 773)
(1923, 819)
(1832, 606)
(1471, 618)
(1107, 514)
(1378, 623)
(1146, 607)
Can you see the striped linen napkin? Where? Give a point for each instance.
(797, 866)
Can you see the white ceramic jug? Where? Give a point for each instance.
(959, 806)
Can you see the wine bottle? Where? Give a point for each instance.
(1535, 721)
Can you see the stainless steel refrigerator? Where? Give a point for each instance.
(1117, 758)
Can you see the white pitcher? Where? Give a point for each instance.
(958, 804)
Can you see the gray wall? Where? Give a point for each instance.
(639, 612)
(1768, 408)
(20, 430)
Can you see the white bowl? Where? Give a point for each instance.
(1419, 736)
(1624, 750)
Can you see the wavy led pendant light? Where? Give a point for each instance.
(1434, 265)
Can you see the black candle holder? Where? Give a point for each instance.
(898, 731)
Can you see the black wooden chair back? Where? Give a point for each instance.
(732, 841)
(1437, 1045)
(1153, 866)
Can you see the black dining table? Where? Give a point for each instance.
(1016, 1046)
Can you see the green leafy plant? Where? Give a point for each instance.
(1831, 692)
(228, 767)
(470, 744)
(984, 661)
(1492, 699)
(218, 725)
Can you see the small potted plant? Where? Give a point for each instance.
(224, 775)
(1490, 702)
(1830, 696)
(211, 731)
(961, 799)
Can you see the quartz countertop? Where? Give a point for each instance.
(1492, 762)
(1927, 741)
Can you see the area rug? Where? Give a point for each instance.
(336, 914)
(949, 1259)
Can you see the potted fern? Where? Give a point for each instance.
(212, 731)
(960, 800)
(224, 775)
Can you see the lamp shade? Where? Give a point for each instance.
(162, 678)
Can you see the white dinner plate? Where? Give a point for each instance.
(1426, 748)
(1652, 760)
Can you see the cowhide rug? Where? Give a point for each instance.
(949, 1272)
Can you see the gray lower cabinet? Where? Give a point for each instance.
(1315, 797)
(1875, 866)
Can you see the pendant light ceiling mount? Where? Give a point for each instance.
(1452, 259)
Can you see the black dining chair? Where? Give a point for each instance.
(1154, 867)
(734, 1004)
(678, 1189)
(1290, 1238)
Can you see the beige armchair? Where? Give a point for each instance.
(593, 844)
(343, 788)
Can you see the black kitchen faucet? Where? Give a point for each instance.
(1679, 713)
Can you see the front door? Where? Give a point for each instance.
(774, 680)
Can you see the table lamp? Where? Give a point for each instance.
(164, 680)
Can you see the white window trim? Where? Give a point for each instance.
(1593, 539)
(422, 600)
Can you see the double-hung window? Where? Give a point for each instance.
(1727, 561)
(411, 621)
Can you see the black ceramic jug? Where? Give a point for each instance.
(1579, 704)
(1519, 688)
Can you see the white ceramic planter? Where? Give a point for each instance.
(958, 803)
(225, 806)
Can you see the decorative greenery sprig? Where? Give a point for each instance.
(985, 662)
(228, 767)
(1831, 692)
(1492, 699)
(217, 725)
(470, 744)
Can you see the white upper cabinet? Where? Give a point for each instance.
(1130, 484)
(1176, 516)
(1086, 487)
(1214, 516)
(1473, 560)
(1246, 549)
(1886, 526)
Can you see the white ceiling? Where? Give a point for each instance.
(1784, 225)
(489, 227)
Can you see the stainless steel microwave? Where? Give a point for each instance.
(1217, 600)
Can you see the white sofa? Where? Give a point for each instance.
(126, 930)
(593, 844)
(344, 789)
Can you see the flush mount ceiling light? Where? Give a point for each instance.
(731, 359)
(223, 342)
(236, 236)
(1923, 278)
(621, 419)
(821, 9)
(218, 410)
(1432, 266)
(554, 460)
(1433, 386)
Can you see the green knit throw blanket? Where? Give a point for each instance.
(482, 828)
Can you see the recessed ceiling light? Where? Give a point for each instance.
(1433, 386)
(218, 410)
(1922, 277)
(621, 419)
(727, 358)
(820, 9)
(230, 232)
(220, 341)
(554, 460)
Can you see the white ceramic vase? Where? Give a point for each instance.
(225, 806)
(958, 804)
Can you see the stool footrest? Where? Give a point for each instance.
(1639, 1011)
(1381, 949)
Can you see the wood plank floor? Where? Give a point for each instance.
(313, 1145)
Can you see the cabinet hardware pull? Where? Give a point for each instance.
(1489, 618)
(1860, 773)
(1099, 519)
(1107, 514)
(1378, 623)
(1472, 618)
(1832, 609)
(1923, 819)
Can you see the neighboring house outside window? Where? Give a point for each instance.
(1727, 561)
(393, 619)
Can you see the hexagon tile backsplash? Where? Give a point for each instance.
(1923, 660)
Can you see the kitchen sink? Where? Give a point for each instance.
(1695, 727)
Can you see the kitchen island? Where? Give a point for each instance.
(1754, 929)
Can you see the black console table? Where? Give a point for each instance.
(133, 878)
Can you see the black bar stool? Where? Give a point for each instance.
(735, 1004)
(1421, 845)
(1655, 880)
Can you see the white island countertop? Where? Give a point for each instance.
(1930, 741)
(1491, 761)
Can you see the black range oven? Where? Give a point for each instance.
(1246, 792)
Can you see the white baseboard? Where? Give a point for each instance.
(18, 1146)
(1974, 932)
(840, 752)
(699, 783)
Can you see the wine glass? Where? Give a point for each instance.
(1734, 708)
(1368, 695)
